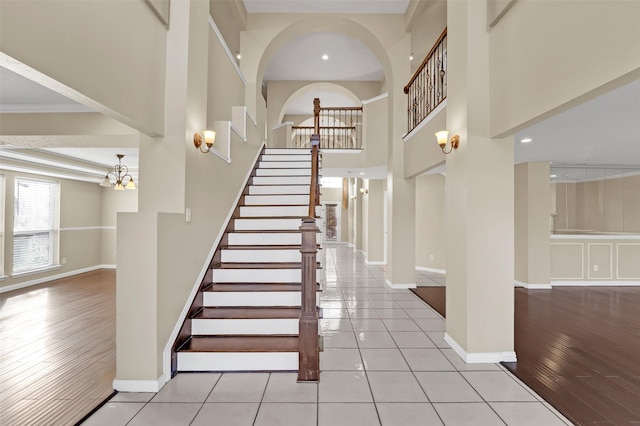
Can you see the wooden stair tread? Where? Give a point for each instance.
(261, 265)
(253, 287)
(267, 231)
(275, 205)
(282, 247)
(248, 312)
(247, 343)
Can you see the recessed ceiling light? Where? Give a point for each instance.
(553, 176)
(526, 140)
(362, 173)
(325, 57)
(411, 57)
(238, 56)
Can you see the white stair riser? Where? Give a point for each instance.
(205, 327)
(283, 172)
(281, 180)
(256, 275)
(254, 298)
(284, 164)
(287, 151)
(271, 224)
(290, 157)
(275, 200)
(261, 256)
(266, 224)
(264, 239)
(274, 211)
(237, 361)
(280, 189)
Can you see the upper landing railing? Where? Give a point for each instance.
(427, 88)
(339, 128)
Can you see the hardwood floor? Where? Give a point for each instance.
(57, 358)
(579, 348)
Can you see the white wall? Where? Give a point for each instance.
(430, 235)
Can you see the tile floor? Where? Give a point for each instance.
(384, 363)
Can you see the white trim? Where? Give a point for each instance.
(424, 122)
(52, 277)
(581, 277)
(283, 124)
(530, 286)
(351, 245)
(237, 132)
(589, 266)
(618, 261)
(253, 120)
(437, 271)
(220, 155)
(87, 228)
(399, 286)
(595, 237)
(166, 354)
(375, 262)
(232, 58)
(139, 385)
(375, 98)
(36, 271)
(107, 266)
(584, 283)
(479, 357)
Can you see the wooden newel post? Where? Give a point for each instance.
(308, 350)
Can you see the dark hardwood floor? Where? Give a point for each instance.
(57, 357)
(579, 348)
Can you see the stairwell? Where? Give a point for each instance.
(245, 316)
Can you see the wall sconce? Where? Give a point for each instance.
(120, 174)
(364, 191)
(442, 137)
(209, 140)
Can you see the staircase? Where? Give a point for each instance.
(245, 316)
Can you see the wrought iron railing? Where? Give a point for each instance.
(339, 128)
(427, 88)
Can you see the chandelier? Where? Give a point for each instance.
(118, 177)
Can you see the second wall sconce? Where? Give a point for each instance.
(443, 136)
(209, 139)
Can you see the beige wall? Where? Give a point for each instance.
(430, 235)
(113, 202)
(231, 18)
(373, 221)
(421, 150)
(532, 213)
(574, 56)
(427, 26)
(605, 205)
(225, 86)
(117, 69)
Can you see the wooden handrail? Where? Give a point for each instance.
(424, 61)
(308, 345)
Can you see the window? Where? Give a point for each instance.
(35, 225)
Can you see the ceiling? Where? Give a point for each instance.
(605, 130)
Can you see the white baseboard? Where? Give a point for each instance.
(584, 283)
(530, 286)
(437, 271)
(374, 262)
(400, 286)
(42, 280)
(479, 357)
(139, 385)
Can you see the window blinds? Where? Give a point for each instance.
(35, 224)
